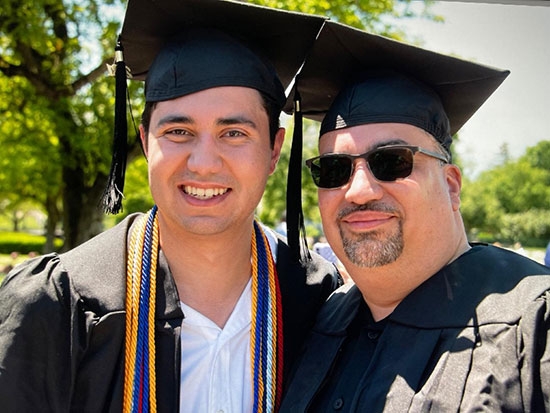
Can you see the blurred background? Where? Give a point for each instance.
(57, 108)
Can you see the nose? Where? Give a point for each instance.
(363, 187)
(204, 157)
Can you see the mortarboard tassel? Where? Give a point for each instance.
(111, 201)
(296, 232)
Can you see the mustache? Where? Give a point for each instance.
(369, 206)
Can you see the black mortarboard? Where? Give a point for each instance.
(199, 59)
(388, 96)
(436, 92)
(268, 47)
(342, 55)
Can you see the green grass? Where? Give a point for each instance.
(23, 242)
(8, 261)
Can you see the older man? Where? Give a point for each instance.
(432, 322)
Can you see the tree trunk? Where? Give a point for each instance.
(82, 217)
(51, 223)
(15, 221)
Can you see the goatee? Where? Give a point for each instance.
(374, 248)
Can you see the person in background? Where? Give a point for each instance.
(547, 256)
(322, 247)
(431, 322)
(195, 305)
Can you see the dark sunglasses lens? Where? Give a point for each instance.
(331, 171)
(391, 164)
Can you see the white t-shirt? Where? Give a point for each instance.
(216, 375)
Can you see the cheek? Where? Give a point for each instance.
(328, 207)
(164, 154)
(156, 164)
(323, 200)
(433, 208)
(248, 163)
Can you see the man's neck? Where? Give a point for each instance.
(210, 272)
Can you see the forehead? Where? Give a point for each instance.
(365, 137)
(215, 100)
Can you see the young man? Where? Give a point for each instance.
(193, 306)
(431, 322)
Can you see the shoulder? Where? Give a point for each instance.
(103, 250)
(491, 269)
(486, 285)
(35, 282)
(93, 272)
(315, 271)
(339, 310)
(305, 284)
(98, 267)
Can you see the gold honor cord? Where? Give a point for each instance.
(266, 336)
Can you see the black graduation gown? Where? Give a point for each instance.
(62, 324)
(474, 337)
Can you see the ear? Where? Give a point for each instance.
(276, 151)
(454, 184)
(143, 138)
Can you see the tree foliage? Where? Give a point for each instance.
(372, 15)
(511, 202)
(56, 107)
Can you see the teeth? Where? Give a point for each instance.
(204, 193)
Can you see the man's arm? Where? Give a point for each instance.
(35, 338)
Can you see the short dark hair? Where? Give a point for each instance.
(272, 108)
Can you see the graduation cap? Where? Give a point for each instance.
(180, 47)
(343, 55)
(378, 80)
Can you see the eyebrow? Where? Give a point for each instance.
(169, 119)
(237, 120)
(232, 120)
(390, 142)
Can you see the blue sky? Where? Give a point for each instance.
(508, 36)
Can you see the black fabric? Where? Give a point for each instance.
(281, 37)
(62, 323)
(200, 59)
(389, 97)
(343, 54)
(473, 337)
(296, 232)
(338, 391)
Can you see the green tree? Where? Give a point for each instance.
(538, 156)
(57, 107)
(505, 200)
(377, 16)
(30, 166)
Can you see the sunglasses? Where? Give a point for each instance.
(387, 164)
